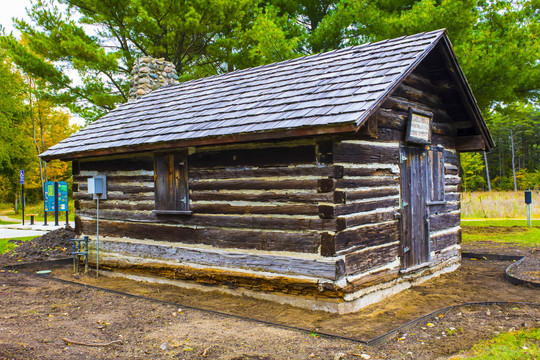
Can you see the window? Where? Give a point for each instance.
(171, 183)
(436, 174)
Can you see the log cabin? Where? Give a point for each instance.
(327, 182)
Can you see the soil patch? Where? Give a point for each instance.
(38, 312)
(53, 245)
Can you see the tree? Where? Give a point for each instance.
(15, 148)
(200, 37)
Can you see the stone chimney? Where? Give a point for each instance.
(149, 74)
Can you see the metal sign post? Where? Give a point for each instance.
(528, 201)
(55, 203)
(22, 194)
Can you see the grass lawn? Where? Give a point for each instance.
(2, 222)
(38, 209)
(502, 231)
(514, 345)
(5, 246)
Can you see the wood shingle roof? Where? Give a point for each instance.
(337, 88)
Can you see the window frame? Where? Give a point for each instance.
(171, 183)
(436, 188)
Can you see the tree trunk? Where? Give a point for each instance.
(487, 172)
(513, 162)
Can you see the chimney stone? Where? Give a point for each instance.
(149, 74)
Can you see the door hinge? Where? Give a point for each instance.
(406, 249)
(402, 158)
(404, 203)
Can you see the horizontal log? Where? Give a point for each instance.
(365, 153)
(123, 164)
(451, 158)
(375, 193)
(302, 197)
(386, 134)
(303, 242)
(232, 221)
(374, 278)
(365, 181)
(470, 143)
(452, 180)
(403, 105)
(123, 188)
(253, 157)
(282, 209)
(427, 99)
(443, 221)
(362, 219)
(109, 205)
(365, 206)
(115, 196)
(364, 236)
(451, 171)
(369, 259)
(321, 171)
(230, 259)
(117, 178)
(447, 142)
(445, 240)
(371, 171)
(253, 184)
(441, 208)
(391, 119)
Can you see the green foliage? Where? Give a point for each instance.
(473, 171)
(497, 43)
(15, 148)
(513, 345)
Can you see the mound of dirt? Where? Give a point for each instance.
(53, 245)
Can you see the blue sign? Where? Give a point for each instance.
(22, 177)
(49, 196)
(62, 196)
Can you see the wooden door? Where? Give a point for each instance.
(414, 223)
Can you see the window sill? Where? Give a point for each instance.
(172, 212)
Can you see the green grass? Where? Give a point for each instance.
(499, 222)
(502, 231)
(514, 345)
(2, 222)
(5, 246)
(38, 209)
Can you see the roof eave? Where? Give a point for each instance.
(215, 140)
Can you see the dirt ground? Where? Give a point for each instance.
(39, 312)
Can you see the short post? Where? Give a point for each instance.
(528, 201)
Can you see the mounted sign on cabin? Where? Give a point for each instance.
(419, 129)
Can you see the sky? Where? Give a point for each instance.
(16, 9)
(11, 9)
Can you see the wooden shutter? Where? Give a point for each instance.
(171, 183)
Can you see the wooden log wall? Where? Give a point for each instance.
(368, 228)
(332, 198)
(257, 197)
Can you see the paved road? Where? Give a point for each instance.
(15, 233)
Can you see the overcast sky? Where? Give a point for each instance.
(11, 9)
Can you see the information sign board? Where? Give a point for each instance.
(62, 196)
(419, 129)
(22, 177)
(49, 196)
